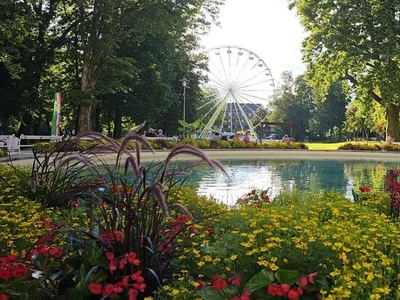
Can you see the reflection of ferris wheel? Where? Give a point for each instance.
(239, 88)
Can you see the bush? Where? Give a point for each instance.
(366, 146)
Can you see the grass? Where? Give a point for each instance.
(324, 146)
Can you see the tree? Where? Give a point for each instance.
(29, 39)
(330, 112)
(355, 42)
(364, 118)
(108, 24)
(293, 103)
(127, 55)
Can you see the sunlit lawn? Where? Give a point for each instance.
(324, 146)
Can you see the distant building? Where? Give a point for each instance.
(234, 119)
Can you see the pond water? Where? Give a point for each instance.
(287, 175)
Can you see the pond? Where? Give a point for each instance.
(287, 175)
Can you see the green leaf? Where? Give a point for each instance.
(262, 279)
(209, 293)
(287, 276)
(355, 196)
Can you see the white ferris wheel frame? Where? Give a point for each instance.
(233, 89)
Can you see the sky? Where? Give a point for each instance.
(266, 27)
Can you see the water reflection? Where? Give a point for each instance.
(281, 175)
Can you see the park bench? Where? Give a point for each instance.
(32, 139)
(11, 143)
(14, 144)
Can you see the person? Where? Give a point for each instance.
(246, 137)
(160, 133)
(286, 138)
(150, 133)
(236, 137)
(210, 136)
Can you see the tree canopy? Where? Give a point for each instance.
(357, 43)
(116, 62)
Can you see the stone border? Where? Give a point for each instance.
(289, 154)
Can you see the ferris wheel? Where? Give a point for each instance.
(239, 88)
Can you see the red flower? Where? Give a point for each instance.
(293, 294)
(56, 253)
(47, 237)
(139, 286)
(209, 230)
(108, 290)
(201, 285)
(136, 276)
(3, 296)
(47, 223)
(182, 219)
(95, 288)
(285, 288)
(111, 237)
(11, 257)
(275, 289)
(112, 266)
(218, 283)
(132, 293)
(193, 229)
(110, 255)
(310, 277)
(364, 189)
(19, 270)
(131, 257)
(303, 280)
(122, 263)
(235, 280)
(244, 296)
(100, 180)
(73, 203)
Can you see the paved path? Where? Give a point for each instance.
(25, 159)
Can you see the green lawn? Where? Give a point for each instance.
(324, 146)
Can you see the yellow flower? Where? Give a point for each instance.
(336, 272)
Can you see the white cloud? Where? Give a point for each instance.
(267, 28)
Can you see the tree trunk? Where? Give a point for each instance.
(88, 83)
(392, 115)
(84, 119)
(26, 124)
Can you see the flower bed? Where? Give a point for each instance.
(71, 231)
